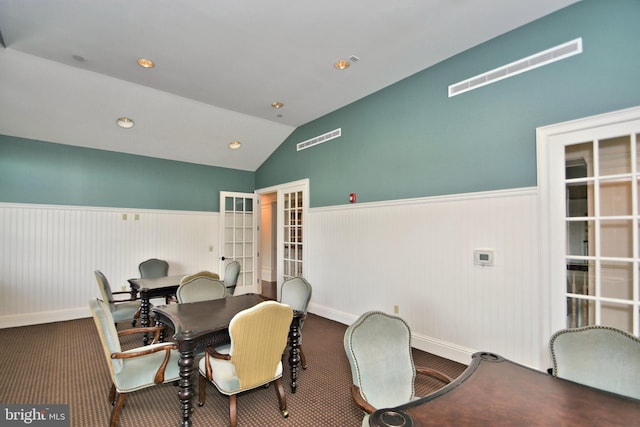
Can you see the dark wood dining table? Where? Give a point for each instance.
(205, 323)
(494, 391)
(153, 288)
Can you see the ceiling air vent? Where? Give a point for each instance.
(319, 139)
(548, 56)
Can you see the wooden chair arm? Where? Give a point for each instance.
(149, 329)
(434, 374)
(211, 352)
(120, 299)
(359, 400)
(142, 351)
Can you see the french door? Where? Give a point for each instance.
(291, 222)
(590, 217)
(238, 237)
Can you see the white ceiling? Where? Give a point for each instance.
(219, 66)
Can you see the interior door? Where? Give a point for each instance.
(590, 196)
(291, 223)
(238, 232)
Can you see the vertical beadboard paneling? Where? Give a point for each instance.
(418, 254)
(49, 253)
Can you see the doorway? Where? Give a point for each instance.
(282, 236)
(589, 182)
(268, 244)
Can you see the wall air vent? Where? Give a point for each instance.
(548, 56)
(319, 139)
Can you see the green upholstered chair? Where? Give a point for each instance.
(296, 293)
(231, 273)
(258, 339)
(200, 288)
(598, 356)
(378, 348)
(153, 267)
(121, 309)
(133, 369)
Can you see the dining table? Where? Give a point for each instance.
(149, 288)
(494, 391)
(201, 324)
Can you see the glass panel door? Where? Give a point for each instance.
(601, 226)
(293, 234)
(238, 237)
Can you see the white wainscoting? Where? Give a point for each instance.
(49, 254)
(418, 254)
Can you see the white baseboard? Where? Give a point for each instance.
(430, 345)
(43, 317)
(442, 348)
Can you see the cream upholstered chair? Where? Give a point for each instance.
(296, 293)
(153, 267)
(203, 273)
(378, 348)
(122, 309)
(258, 338)
(231, 273)
(200, 288)
(598, 356)
(136, 368)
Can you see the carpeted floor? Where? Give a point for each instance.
(63, 363)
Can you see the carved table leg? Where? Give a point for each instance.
(294, 354)
(185, 393)
(144, 313)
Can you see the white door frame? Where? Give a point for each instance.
(280, 189)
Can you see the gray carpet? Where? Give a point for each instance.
(63, 363)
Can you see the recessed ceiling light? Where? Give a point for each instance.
(146, 63)
(125, 122)
(343, 64)
(277, 105)
(234, 145)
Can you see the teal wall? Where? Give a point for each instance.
(411, 140)
(45, 173)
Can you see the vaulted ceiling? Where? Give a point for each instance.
(69, 68)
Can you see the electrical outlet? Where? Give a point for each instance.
(396, 309)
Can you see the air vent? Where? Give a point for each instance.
(319, 139)
(554, 54)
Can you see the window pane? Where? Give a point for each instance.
(577, 237)
(616, 279)
(615, 155)
(580, 312)
(580, 277)
(615, 197)
(579, 199)
(616, 238)
(617, 315)
(579, 160)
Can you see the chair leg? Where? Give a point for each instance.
(115, 413)
(282, 400)
(202, 391)
(233, 420)
(112, 395)
(303, 359)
